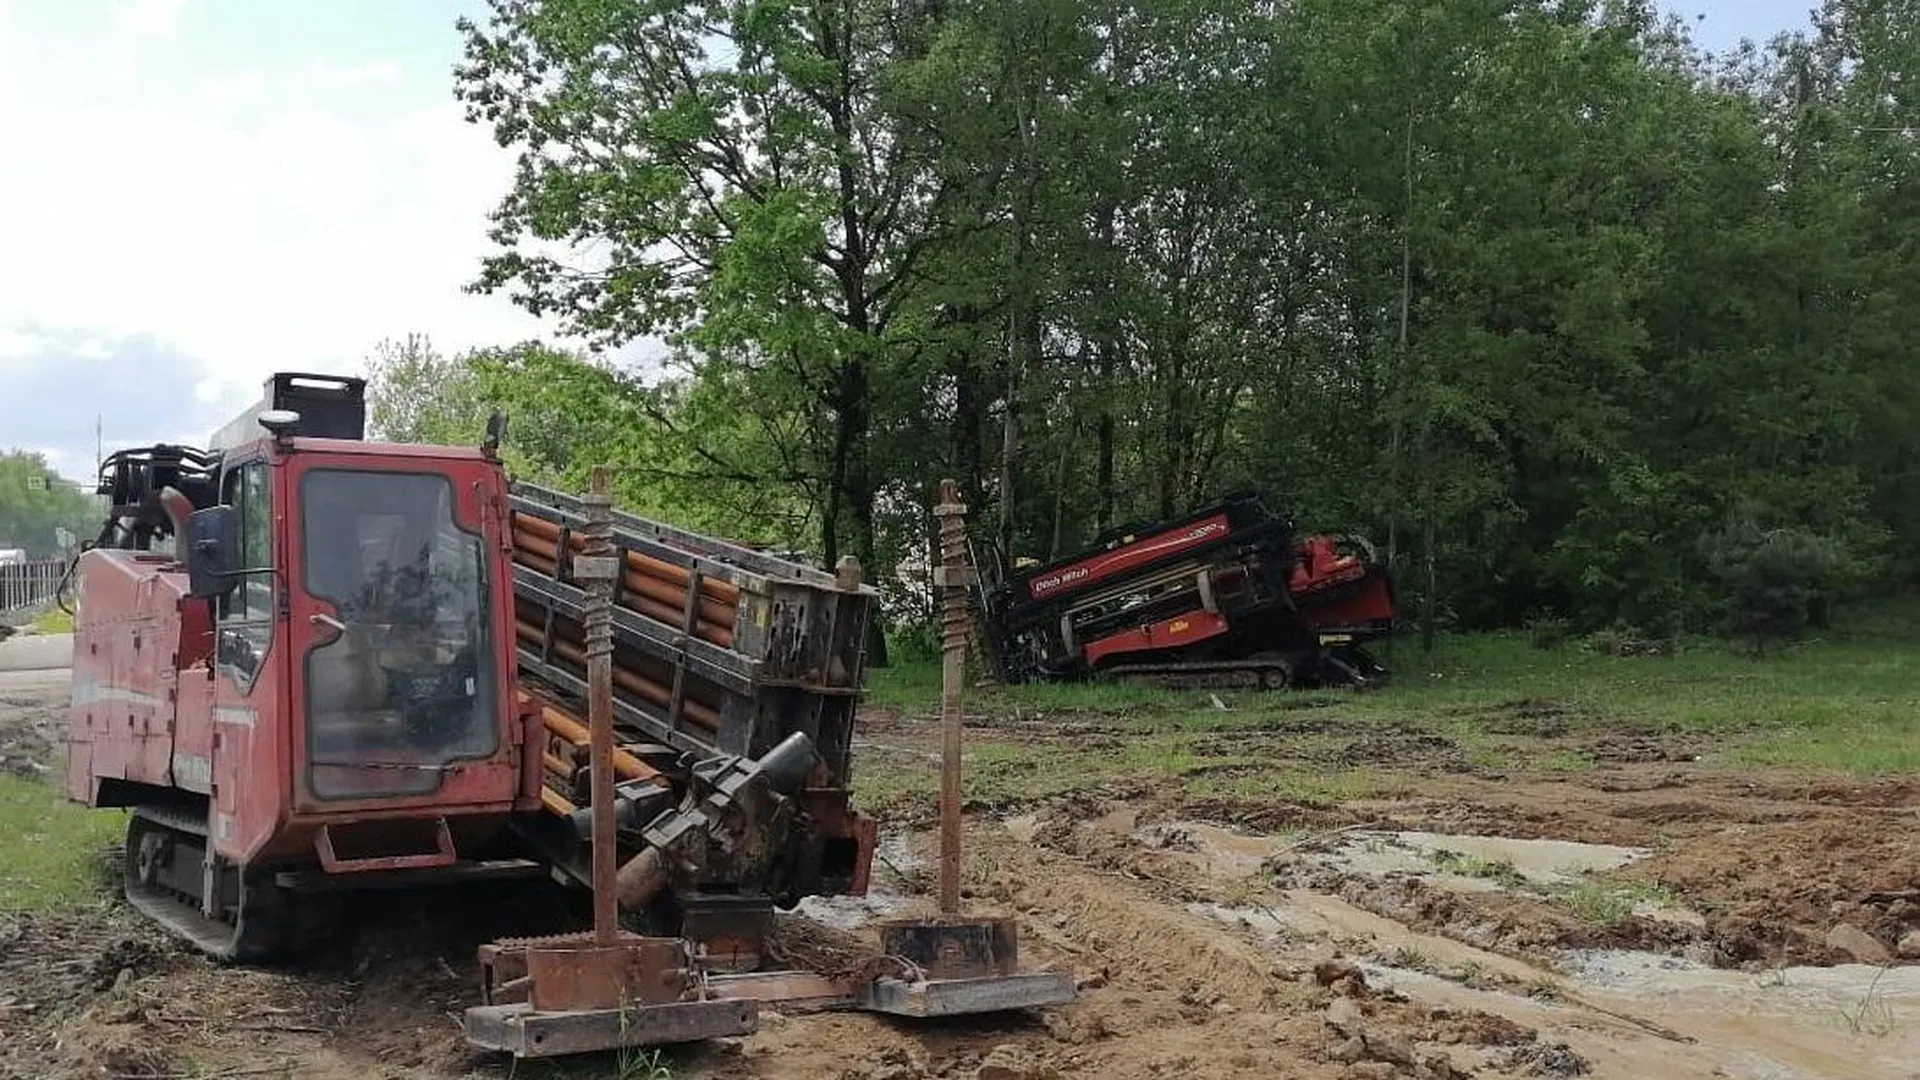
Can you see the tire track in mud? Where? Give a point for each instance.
(1625, 1013)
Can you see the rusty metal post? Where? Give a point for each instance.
(596, 569)
(951, 577)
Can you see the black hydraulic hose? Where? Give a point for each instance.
(60, 589)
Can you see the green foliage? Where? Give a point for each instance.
(35, 503)
(53, 854)
(916, 642)
(1547, 631)
(1533, 293)
(1775, 582)
(420, 395)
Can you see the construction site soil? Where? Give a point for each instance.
(1652, 915)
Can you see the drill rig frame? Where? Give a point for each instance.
(1224, 596)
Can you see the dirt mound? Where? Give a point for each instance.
(33, 720)
(802, 944)
(54, 969)
(48, 962)
(1638, 749)
(1511, 923)
(1424, 752)
(1773, 894)
(1273, 816)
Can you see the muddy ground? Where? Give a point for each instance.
(1648, 916)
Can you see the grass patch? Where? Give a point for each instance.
(1607, 903)
(1848, 701)
(1871, 1015)
(1499, 871)
(1566, 761)
(1291, 785)
(53, 854)
(53, 621)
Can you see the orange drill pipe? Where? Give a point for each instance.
(698, 711)
(652, 598)
(636, 579)
(556, 803)
(574, 732)
(725, 592)
(568, 648)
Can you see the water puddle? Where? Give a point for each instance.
(1494, 859)
(1220, 851)
(894, 857)
(854, 912)
(1304, 915)
(1630, 1014)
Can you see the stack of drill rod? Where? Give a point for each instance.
(717, 649)
(566, 760)
(651, 586)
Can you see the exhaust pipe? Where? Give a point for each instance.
(179, 511)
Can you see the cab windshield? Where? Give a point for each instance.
(400, 684)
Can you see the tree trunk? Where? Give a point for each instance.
(1023, 319)
(1400, 387)
(1009, 450)
(1060, 494)
(968, 403)
(856, 423)
(1428, 598)
(1107, 352)
(1103, 464)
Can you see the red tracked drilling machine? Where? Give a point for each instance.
(1223, 596)
(306, 662)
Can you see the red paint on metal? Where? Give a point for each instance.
(443, 854)
(1322, 566)
(496, 783)
(1108, 564)
(152, 705)
(1370, 604)
(1196, 625)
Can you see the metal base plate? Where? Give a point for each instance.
(524, 1033)
(961, 997)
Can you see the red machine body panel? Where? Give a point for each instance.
(476, 782)
(171, 697)
(125, 686)
(1131, 556)
(1188, 629)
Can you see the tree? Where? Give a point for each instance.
(1774, 581)
(1534, 291)
(753, 203)
(420, 395)
(35, 503)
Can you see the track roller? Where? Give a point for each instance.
(252, 921)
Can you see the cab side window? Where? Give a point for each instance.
(246, 612)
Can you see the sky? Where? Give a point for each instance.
(197, 193)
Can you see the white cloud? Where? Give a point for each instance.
(371, 73)
(234, 88)
(258, 236)
(149, 18)
(18, 342)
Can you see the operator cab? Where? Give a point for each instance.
(376, 560)
(406, 676)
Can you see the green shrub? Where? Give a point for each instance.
(1546, 630)
(915, 642)
(1775, 582)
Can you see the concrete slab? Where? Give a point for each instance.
(36, 652)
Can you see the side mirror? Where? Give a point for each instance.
(213, 537)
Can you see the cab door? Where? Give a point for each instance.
(397, 624)
(248, 668)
